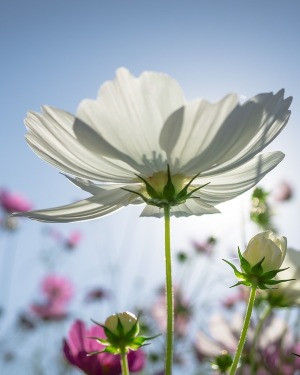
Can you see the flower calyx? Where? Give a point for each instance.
(254, 275)
(222, 362)
(121, 332)
(167, 193)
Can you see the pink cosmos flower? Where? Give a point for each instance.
(11, 202)
(96, 294)
(205, 247)
(78, 345)
(73, 239)
(58, 291)
(50, 310)
(283, 192)
(57, 288)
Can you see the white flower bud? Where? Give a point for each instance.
(269, 246)
(127, 320)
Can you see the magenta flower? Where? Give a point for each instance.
(50, 310)
(281, 357)
(57, 288)
(73, 239)
(58, 291)
(204, 247)
(11, 202)
(78, 345)
(96, 294)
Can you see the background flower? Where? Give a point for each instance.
(78, 345)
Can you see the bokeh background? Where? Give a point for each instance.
(59, 52)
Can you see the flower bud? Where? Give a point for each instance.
(123, 323)
(269, 246)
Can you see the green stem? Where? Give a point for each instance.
(266, 312)
(169, 294)
(244, 332)
(124, 363)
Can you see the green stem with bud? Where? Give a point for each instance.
(244, 331)
(124, 363)
(169, 294)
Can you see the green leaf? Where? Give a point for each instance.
(257, 269)
(245, 265)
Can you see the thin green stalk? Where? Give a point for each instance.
(244, 332)
(124, 363)
(266, 312)
(169, 294)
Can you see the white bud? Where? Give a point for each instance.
(269, 246)
(127, 320)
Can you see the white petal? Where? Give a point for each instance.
(228, 185)
(197, 130)
(193, 207)
(251, 126)
(52, 137)
(206, 346)
(129, 114)
(87, 209)
(190, 207)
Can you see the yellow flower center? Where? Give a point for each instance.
(159, 180)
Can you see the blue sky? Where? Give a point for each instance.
(59, 52)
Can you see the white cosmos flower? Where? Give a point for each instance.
(138, 127)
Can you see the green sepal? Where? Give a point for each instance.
(189, 195)
(150, 189)
(273, 273)
(245, 265)
(169, 189)
(94, 353)
(111, 350)
(257, 269)
(240, 283)
(134, 330)
(99, 340)
(111, 336)
(275, 282)
(183, 192)
(137, 193)
(237, 273)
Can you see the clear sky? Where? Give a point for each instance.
(58, 52)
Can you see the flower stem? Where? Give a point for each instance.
(266, 312)
(244, 332)
(169, 294)
(124, 363)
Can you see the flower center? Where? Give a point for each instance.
(160, 179)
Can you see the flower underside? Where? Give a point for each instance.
(163, 190)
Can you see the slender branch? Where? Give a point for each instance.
(266, 312)
(169, 294)
(244, 332)
(124, 363)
